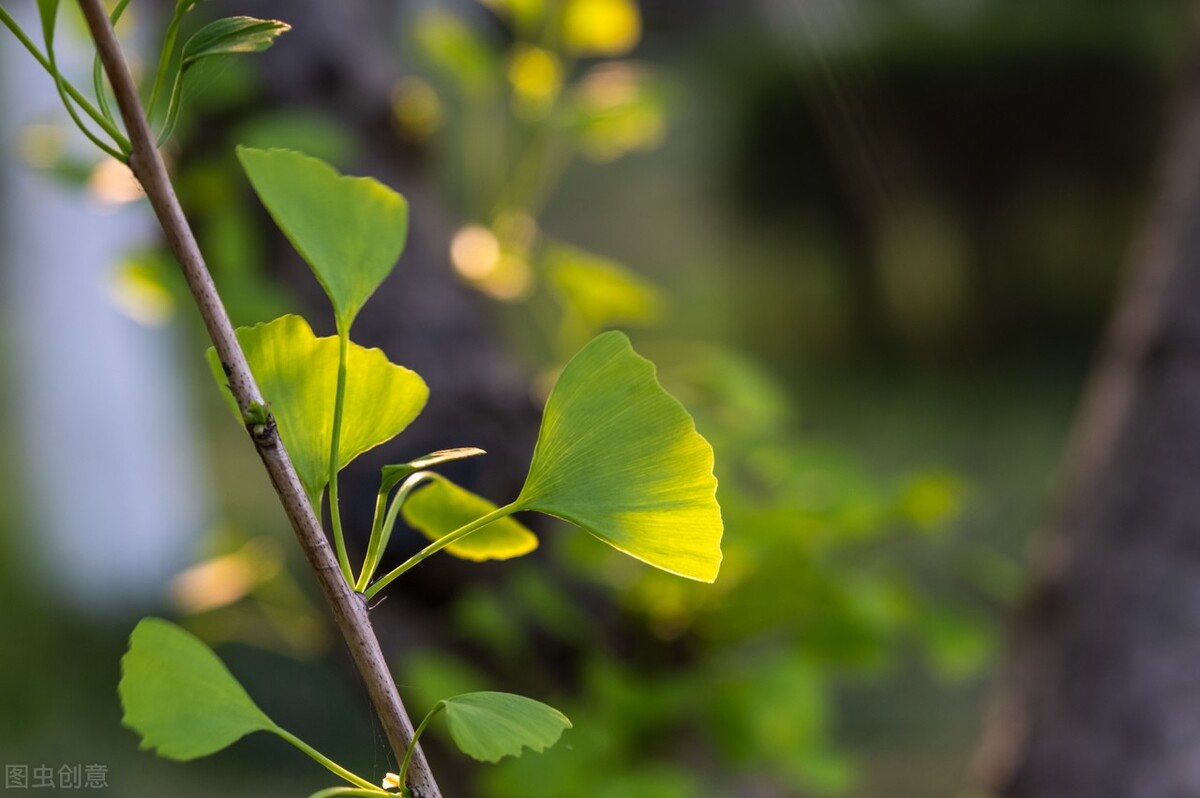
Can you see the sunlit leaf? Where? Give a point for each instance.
(350, 230)
(601, 27)
(491, 726)
(394, 474)
(179, 696)
(441, 507)
(230, 36)
(297, 374)
(620, 457)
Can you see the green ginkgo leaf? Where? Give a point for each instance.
(395, 474)
(297, 374)
(620, 457)
(440, 507)
(179, 697)
(230, 36)
(489, 726)
(350, 230)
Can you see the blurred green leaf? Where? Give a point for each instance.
(490, 726)
(620, 457)
(230, 36)
(598, 293)
(350, 230)
(456, 50)
(440, 507)
(179, 697)
(297, 374)
(318, 134)
(394, 474)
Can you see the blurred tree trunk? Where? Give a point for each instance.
(1103, 692)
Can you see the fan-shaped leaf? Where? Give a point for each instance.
(441, 507)
(620, 457)
(180, 697)
(490, 726)
(350, 230)
(297, 373)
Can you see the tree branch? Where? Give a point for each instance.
(349, 608)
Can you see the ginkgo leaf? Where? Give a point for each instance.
(350, 230)
(230, 36)
(620, 457)
(489, 726)
(179, 697)
(395, 474)
(297, 374)
(440, 507)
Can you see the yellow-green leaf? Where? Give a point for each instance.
(297, 374)
(441, 507)
(620, 457)
(350, 230)
(179, 697)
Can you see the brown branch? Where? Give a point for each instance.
(349, 608)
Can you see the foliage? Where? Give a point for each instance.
(330, 400)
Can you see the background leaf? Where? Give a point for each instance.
(230, 36)
(440, 507)
(350, 230)
(620, 457)
(297, 373)
(180, 697)
(489, 726)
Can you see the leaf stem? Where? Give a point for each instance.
(326, 762)
(339, 401)
(381, 530)
(98, 68)
(75, 94)
(168, 51)
(438, 707)
(351, 792)
(439, 544)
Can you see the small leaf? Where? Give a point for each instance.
(297, 374)
(350, 230)
(180, 697)
(620, 457)
(230, 36)
(442, 507)
(490, 726)
(395, 474)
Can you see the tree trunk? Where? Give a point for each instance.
(1102, 698)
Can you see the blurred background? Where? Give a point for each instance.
(870, 244)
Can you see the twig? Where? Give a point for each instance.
(349, 609)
